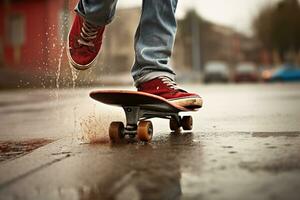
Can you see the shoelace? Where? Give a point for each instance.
(170, 83)
(88, 33)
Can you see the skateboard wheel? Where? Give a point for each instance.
(116, 131)
(145, 131)
(174, 125)
(187, 123)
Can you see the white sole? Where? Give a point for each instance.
(191, 102)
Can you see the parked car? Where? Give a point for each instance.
(216, 71)
(286, 73)
(246, 72)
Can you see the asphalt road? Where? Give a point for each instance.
(245, 145)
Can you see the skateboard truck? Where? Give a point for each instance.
(139, 107)
(138, 125)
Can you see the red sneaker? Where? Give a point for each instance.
(166, 88)
(84, 43)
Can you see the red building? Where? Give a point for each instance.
(32, 33)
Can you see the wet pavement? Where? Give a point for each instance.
(14, 149)
(245, 145)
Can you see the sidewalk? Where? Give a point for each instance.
(191, 166)
(245, 145)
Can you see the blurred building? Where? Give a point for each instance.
(118, 49)
(32, 33)
(216, 42)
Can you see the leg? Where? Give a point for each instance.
(97, 12)
(154, 40)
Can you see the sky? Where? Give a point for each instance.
(237, 14)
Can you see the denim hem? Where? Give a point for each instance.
(152, 75)
(101, 23)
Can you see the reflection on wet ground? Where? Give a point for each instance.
(245, 145)
(276, 134)
(199, 165)
(14, 149)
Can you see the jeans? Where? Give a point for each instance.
(154, 37)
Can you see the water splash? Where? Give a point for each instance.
(93, 130)
(75, 123)
(59, 66)
(63, 29)
(95, 125)
(58, 72)
(74, 74)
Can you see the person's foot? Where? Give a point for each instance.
(166, 88)
(84, 43)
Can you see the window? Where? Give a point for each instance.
(15, 30)
(1, 52)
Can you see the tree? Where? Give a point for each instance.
(278, 27)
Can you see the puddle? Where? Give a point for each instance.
(62, 153)
(227, 147)
(276, 134)
(272, 147)
(274, 166)
(14, 149)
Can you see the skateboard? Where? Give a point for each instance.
(138, 108)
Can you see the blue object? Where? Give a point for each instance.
(286, 73)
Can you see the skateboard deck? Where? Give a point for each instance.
(133, 98)
(138, 107)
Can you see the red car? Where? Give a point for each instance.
(246, 72)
